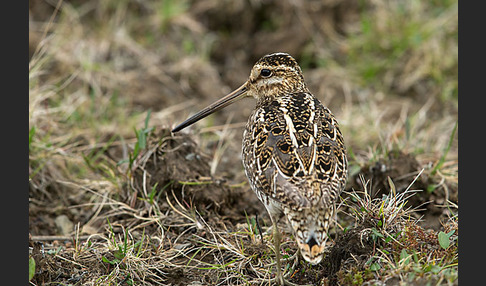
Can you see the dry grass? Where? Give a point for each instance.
(147, 207)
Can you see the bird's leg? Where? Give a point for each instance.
(294, 258)
(279, 278)
(276, 241)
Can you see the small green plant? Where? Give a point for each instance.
(405, 257)
(55, 251)
(446, 151)
(373, 264)
(121, 249)
(438, 165)
(97, 161)
(142, 135)
(31, 268)
(253, 227)
(444, 238)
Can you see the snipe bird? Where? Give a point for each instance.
(293, 153)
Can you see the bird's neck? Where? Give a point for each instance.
(268, 96)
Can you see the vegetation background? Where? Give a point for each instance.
(115, 198)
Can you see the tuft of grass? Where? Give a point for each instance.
(401, 248)
(141, 136)
(384, 217)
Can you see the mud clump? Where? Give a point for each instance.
(401, 167)
(176, 164)
(350, 244)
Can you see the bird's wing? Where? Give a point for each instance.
(295, 151)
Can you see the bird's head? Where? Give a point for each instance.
(272, 75)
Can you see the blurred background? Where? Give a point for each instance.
(387, 69)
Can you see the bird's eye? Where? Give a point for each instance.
(266, 73)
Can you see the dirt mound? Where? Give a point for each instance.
(177, 166)
(404, 169)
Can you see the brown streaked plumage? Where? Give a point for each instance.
(293, 152)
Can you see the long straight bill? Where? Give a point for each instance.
(223, 102)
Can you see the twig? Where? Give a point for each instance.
(60, 237)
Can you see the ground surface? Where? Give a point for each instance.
(115, 198)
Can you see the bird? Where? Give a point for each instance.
(293, 153)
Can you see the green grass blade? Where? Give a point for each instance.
(31, 135)
(446, 151)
